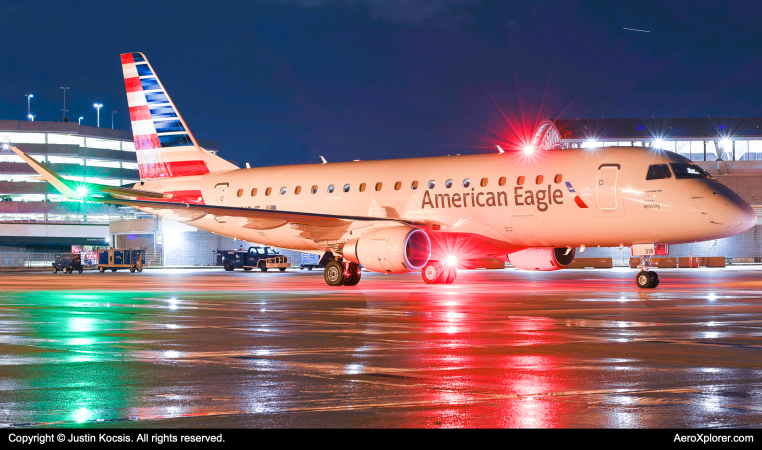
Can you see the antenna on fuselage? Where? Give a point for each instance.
(324, 161)
(500, 149)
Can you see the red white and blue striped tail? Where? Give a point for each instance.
(164, 144)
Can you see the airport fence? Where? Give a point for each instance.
(39, 259)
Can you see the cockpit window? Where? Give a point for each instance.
(658, 172)
(683, 171)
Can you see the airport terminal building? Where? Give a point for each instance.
(36, 219)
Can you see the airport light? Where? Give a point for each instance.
(451, 260)
(591, 143)
(529, 149)
(80, 120)
(81, 191)
(726, 143)
(64, 108)
(658, 143)
(30, 117)
(98, 106)
(28, 104)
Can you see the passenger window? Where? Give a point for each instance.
(558, 178)
(378, 186)
(254, 192)
(268, 191)
(484, 182)
(658, 172)
(282, 190)
(362, 187)
(538, 180)
(467, 182)
(240, 192)
(448, 184)
(432, 183)
(414, 185)
(501, 182)
(330, 189)
(314, 189)
(298, 190)
(520, 181)
(346, 188)
(398, 186)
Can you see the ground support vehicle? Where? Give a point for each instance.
(67, 262)
(309, 261)
(262, 258)
(116, 259)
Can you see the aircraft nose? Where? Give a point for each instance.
(747, 215)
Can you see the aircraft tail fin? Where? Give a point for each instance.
(164, 144)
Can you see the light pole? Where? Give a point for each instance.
(64, 108)
(28, 104)
(98, 106)
(80, 120)
(112, 119)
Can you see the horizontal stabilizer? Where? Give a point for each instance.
(79, 189)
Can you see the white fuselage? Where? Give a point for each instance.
(513, 201)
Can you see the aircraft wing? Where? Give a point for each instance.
(258, 218)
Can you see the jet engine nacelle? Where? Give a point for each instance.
(544, 259)
(396, 249)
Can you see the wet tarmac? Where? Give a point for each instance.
(207, 348)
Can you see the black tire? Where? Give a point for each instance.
(263, 266)
(644, 279)
(309, 268)
(133, 269)
(55, 269)
(114, 269)
(229, 267)
(101, 269)
(334, 273)
(432, 273)
(301, 267)
(80, 270)
(352, 275)
(282, 269)
(66, 270)
(655, 281)
(247, 268)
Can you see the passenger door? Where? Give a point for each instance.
(219, 200)
(605, 189)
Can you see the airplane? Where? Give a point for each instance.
(531, 208)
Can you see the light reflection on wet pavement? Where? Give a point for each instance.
(206, 348)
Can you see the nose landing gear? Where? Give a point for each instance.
(644, 278)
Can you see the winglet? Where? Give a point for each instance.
(56, 181)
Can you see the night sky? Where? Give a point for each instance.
(284, 81)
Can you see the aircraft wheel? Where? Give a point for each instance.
(432, 273)
(644, 279)
(282, 269)
(263, 266)
(352, 275)
(55, 269)
(655, 279)
(334, 273)
(101, 269)
(229, 267)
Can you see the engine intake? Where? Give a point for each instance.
(397, 249)
(544, 259)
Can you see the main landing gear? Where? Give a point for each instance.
(437, 273)
(646, 279)
(342, 273)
